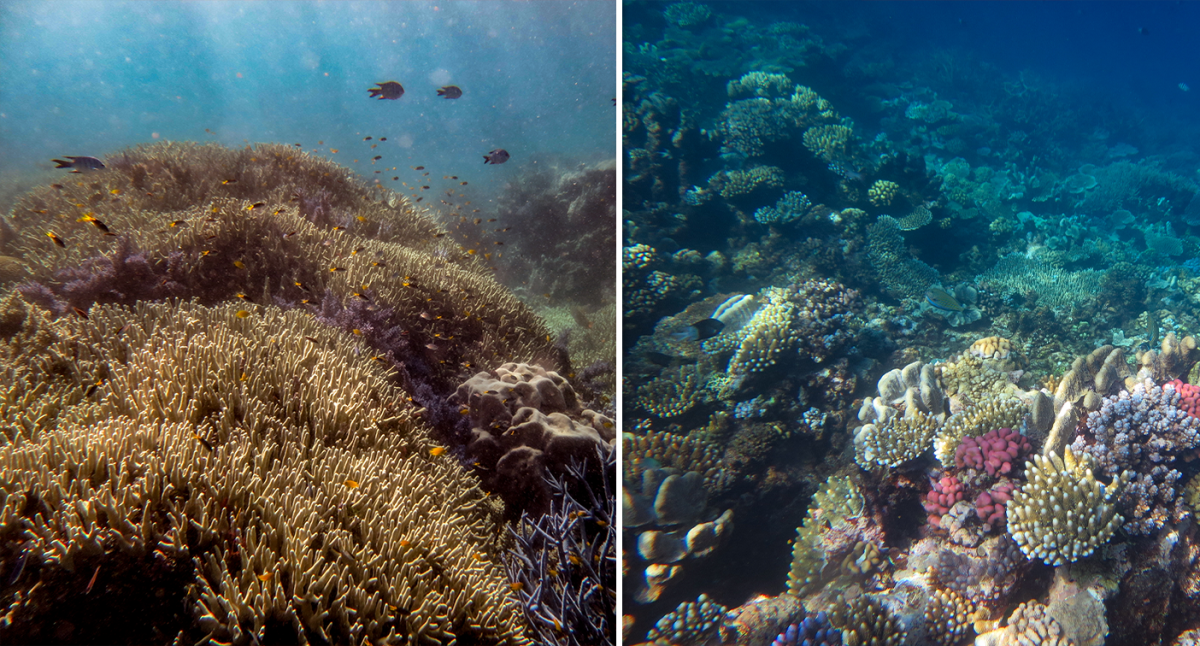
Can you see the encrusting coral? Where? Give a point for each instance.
(258, 471)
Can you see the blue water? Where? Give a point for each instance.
(89, 78)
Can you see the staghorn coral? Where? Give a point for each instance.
(1142, 432)
(1062, 514)
(180, 443)
(564, 566)
(448, 310)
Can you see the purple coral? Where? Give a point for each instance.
(1142, 431)
(815, 630)
(564, 563)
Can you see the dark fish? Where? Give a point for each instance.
(940, 299)
(57, 240)
(1143, 31)
(377, 158)
(497, 156)
(701, 330)
(450, 92)
(383, 139)
(80, 164)
(390, 90)
(666, 360)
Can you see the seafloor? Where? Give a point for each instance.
(949, 392)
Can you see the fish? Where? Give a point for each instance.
(204, 442)
(337, 269)
(700, 330)
(377, 157)
(389, 90)
(940, 299)
(265, 576)
(450, 92)
(239, 264)
(229, 181)
(517, 586)
(497, 156)
(437, 450)
(383, 139)
(418, 168)
(80, 313)
(255, 206)
(98, 224)
(57, 240)
(242, 314)
(244, 297)
(57, 186)
(79, 164)
(352, 484)
(366, 139)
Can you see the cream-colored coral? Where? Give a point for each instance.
(866, 621)
(654, 449)
(992, 347)
(947, 618)
(829, 142)
(989, 414)
(895, 441)
(265, 456)
(836, 502)
(768, 335)
(733, 183)
(1029, 625)
(672, 393)
(917, 218)
(882, 192)
(1062, 513)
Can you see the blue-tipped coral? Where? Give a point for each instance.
(815, 630)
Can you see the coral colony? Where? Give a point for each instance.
(921, 376)
(256, 403)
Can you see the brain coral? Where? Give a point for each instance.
(236, 479)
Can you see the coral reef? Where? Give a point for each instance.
(1142, 432)
(185, 443)
(1063, 514)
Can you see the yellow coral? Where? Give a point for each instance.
(829, 142)
(882, 192)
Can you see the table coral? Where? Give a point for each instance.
(1062, 514)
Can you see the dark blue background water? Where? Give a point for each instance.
(1097, 45)
(89, 78)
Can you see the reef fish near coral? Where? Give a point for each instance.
(79, 164)
(390, 90)
(497, 156)
(701, 330)
(940, 299)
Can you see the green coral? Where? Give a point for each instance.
(1062, 514)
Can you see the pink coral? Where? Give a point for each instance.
(1189, 397)
(946, 491)
(995, 452)
(989, 505)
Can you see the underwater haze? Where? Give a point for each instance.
(89, 78)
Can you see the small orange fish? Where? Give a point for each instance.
(333, 150)
(57, 240)
(244, 297)
(357, 331)
(517, 586)
(229, 181)
(255, 206)
(115, 191)
(437, 450)
(242, 314)
(352, 484)
(337, 269)
(264, 577)
(404, 543)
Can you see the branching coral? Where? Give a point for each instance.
(183, 439)
(895, 441)
(790, 207)
(1142, 432)
(1062, 514)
